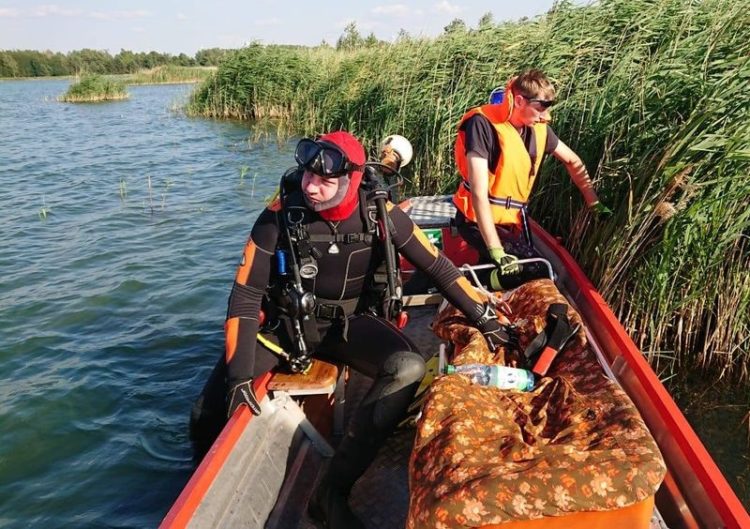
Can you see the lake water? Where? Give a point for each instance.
(112, 296)
(122, 225)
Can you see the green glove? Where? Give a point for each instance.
(600, 209)
(506, 263)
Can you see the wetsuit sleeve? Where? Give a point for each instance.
(412, 243)
(250, 283)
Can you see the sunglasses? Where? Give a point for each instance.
(323, 158)
(544, 103)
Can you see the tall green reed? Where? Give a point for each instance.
(653, 96)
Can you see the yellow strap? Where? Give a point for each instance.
(272, 346)
(278, 350)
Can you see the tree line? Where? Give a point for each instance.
(33, 63)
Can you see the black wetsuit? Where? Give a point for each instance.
(345, 275)
(373, 346)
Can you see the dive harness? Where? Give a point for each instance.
(300, 307)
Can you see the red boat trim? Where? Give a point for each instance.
(192, 495)
(713, 481)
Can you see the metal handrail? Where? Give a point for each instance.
(470, 269)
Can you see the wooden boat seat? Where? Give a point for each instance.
(320, 379)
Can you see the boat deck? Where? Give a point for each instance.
(261, 472)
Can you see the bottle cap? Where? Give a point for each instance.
(531, 382)
(449, 369)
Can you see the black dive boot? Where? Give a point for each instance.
(330, 501)
(378, 414)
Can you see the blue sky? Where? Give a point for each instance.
(176, 26)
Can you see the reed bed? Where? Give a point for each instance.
(169, 74)
(94, 89)
(653, 97)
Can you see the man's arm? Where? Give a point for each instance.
(479, 181)
(241, 326)
(577, 171)
(412, 243)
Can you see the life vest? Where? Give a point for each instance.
(511, 182)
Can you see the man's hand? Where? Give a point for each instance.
(494, 332)
(506, 263)
(242, 393)
(600, 209)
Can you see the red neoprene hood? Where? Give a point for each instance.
(347, 198)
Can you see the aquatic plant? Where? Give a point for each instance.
(123, 189)
(653, 95)
(93, 89)
(44, 210)
(243, 171)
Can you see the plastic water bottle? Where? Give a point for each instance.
(497, 376)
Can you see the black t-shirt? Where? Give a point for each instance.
(482, 139)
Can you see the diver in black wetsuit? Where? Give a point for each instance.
(340, 259)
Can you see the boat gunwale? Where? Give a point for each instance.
(721, 495)
(194, 492)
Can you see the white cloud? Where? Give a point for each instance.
(393, 10)
(119, 15)
(368, 26)
(138, 29)
(8, 12)
(446, 7)
(54, 10)
(47, 10)
(265, 22)
(228, 40)
(182, 16)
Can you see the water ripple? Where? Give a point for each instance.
(112, 302)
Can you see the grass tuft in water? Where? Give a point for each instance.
(123, 189)
(94, 89)
(44, 211)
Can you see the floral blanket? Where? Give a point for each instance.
(487, 456)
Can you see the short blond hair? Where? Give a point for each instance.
(533, 84)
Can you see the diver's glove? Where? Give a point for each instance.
(600, 209)
(494, 332)
(506, 263)
(242, 393)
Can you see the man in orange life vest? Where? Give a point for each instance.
(498, 152)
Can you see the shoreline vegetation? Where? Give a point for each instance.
(656, 105)
(168, 74)
(24, 64)
(95, 88)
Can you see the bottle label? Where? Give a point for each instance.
(498, 376)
